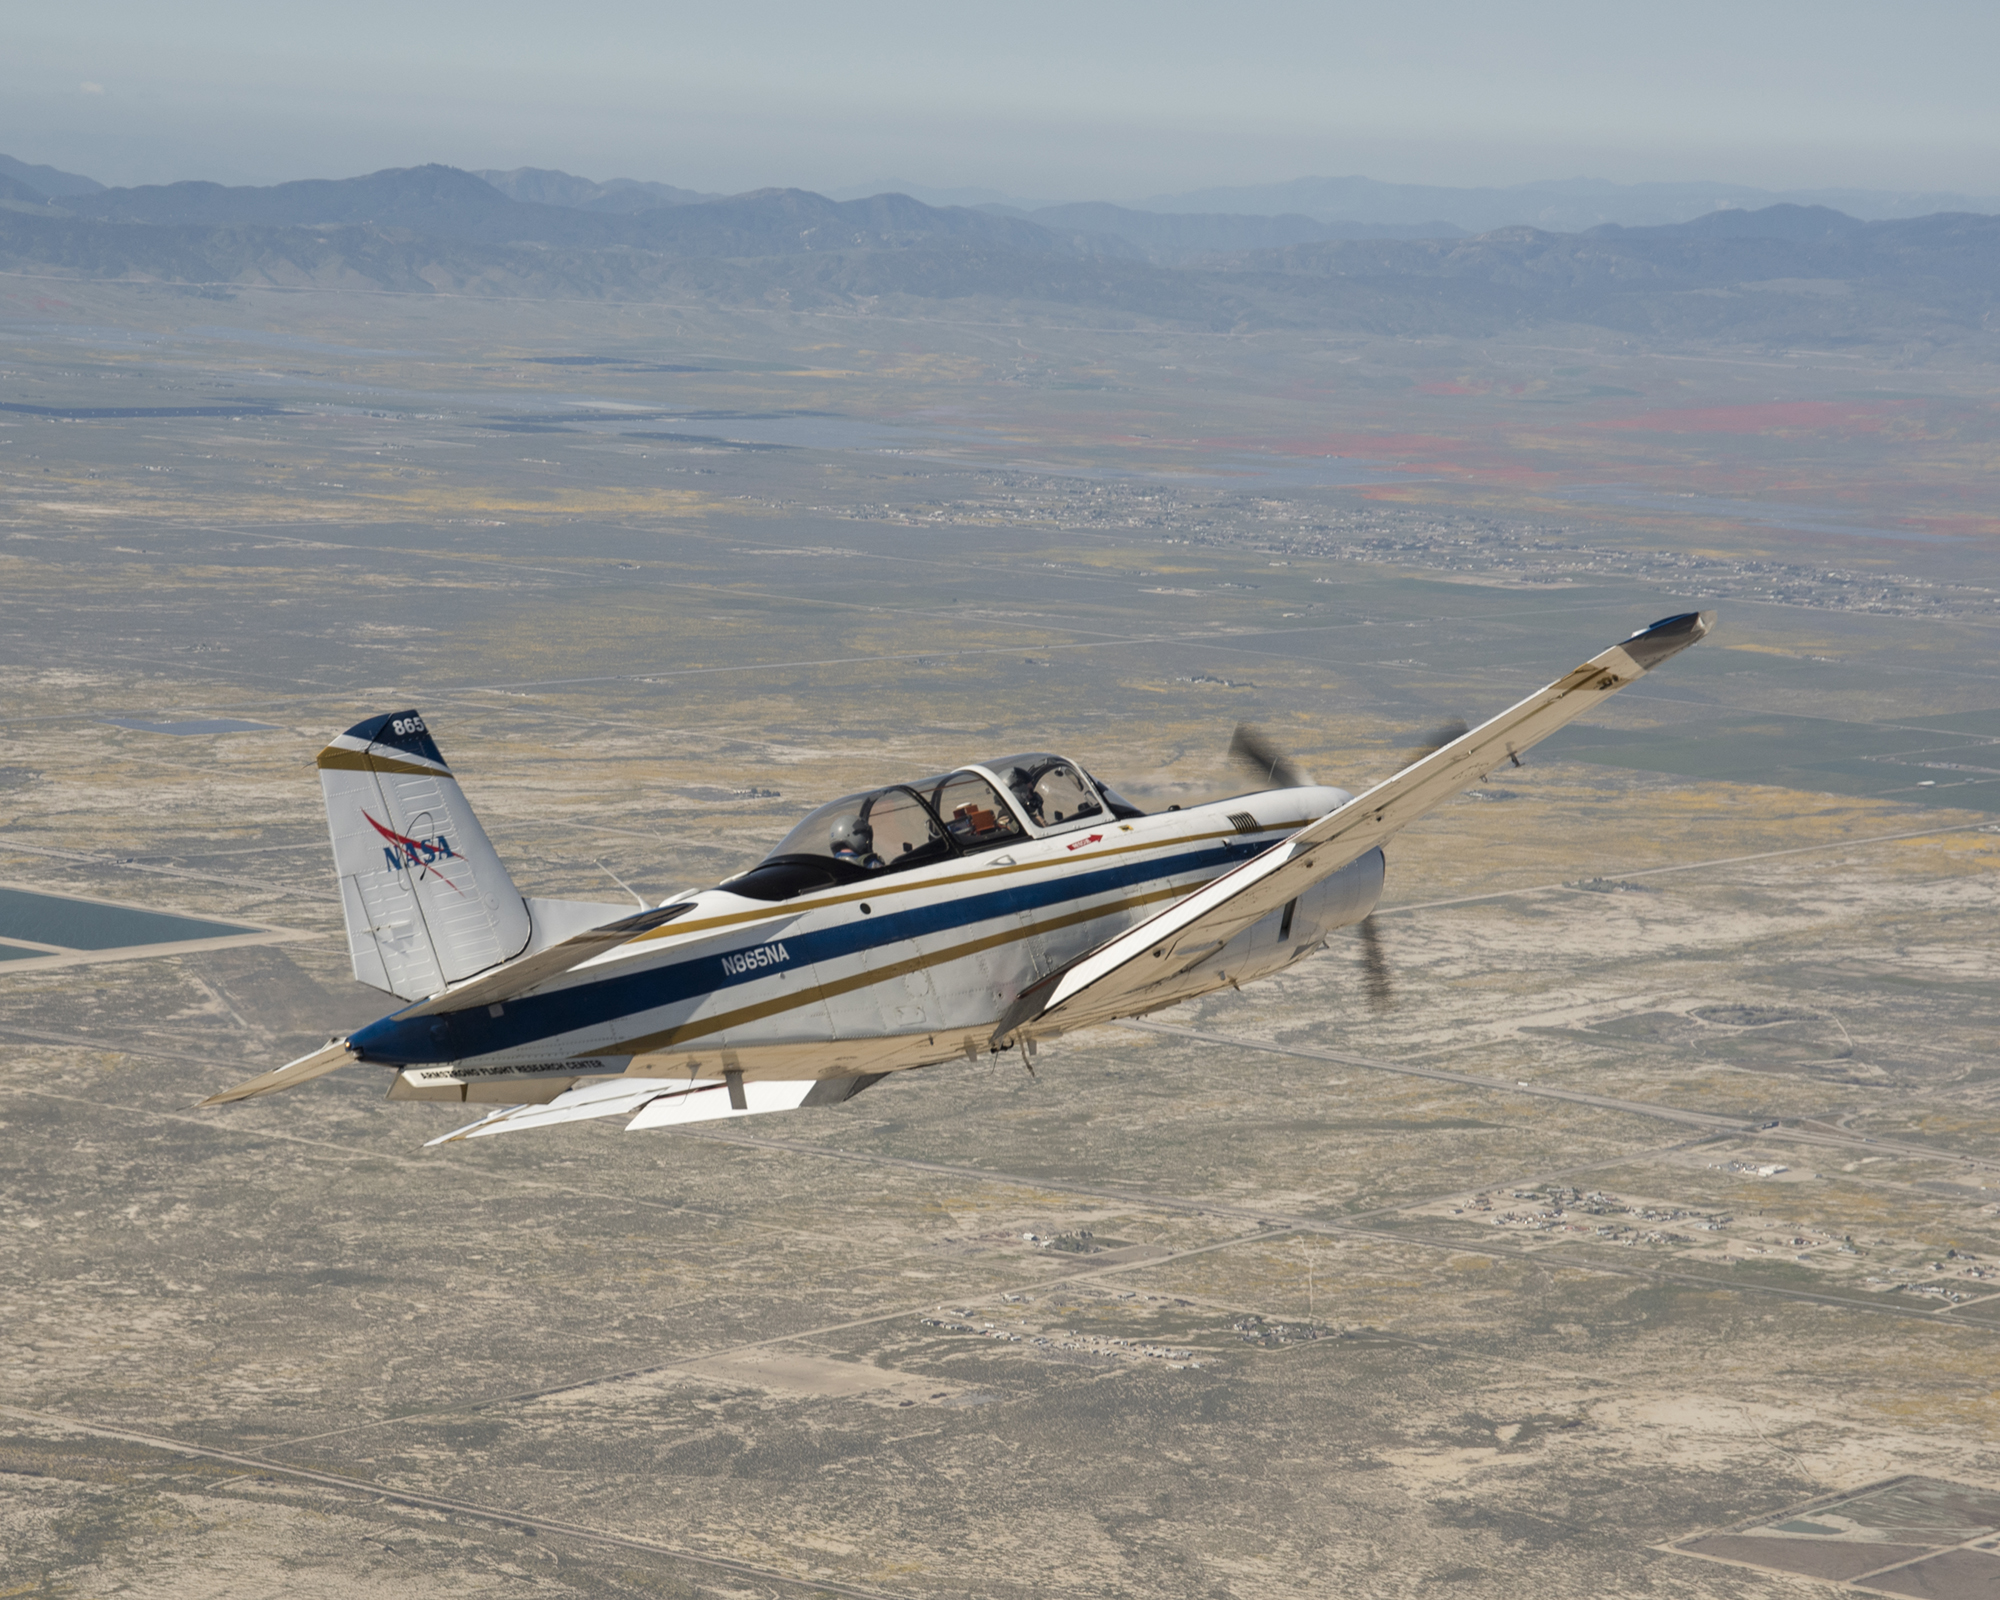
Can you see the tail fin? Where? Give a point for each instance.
(427, 901)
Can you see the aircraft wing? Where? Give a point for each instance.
(663, 1103)
(1136, 971)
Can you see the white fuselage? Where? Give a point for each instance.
(903, 970)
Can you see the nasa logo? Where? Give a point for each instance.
(402, 852)
(765, 955)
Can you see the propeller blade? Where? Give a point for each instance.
(1253, 750)
(1435, 740)
(1374, 968)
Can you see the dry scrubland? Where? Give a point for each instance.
(1646, 1185)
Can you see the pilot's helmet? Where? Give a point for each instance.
(852, 837)
(1023, 785)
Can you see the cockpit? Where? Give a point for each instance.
(975, 809)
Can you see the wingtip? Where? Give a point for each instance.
(1668, 637)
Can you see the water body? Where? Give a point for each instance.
(56, 919)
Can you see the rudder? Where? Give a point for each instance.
(427, 902)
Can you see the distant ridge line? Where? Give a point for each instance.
(1787, 274)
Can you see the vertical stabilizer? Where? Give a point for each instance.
(426, 900)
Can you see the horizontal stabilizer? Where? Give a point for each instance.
(616, 1097)
(333, 1054)
(665, 1103)
(1134, 972)
(519, 976)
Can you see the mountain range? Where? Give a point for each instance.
(45, 182)
(1784, 273)
(534, 205)
(1568, 205)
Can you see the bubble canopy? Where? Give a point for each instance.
(894, 829)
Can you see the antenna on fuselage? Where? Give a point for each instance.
(634, 893)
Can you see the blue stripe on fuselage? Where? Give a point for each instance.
(459, 1035)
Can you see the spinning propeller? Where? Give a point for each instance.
(1254, 750)
(1375, 982)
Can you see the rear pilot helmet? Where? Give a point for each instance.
(852, 836)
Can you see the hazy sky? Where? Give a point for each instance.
(1063, 101)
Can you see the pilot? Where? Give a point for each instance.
(1022, 782)
(854, 841)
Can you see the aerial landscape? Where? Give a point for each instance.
(1619, 1205)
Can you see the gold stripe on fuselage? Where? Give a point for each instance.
(668, 1038)
(900, 883)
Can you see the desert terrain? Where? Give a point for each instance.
(1627, 1222)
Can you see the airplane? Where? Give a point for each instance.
(948, 918)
